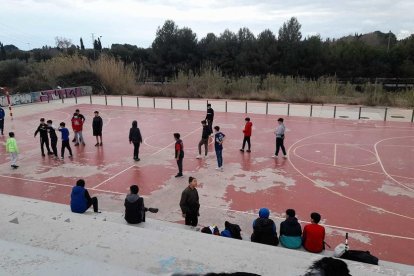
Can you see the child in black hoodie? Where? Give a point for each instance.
(134, 207)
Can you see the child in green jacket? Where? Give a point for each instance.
(11, 147)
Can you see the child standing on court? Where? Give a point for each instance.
(280, 137)
(53, 137)
(77, 126)
(65, 140)
(204, 140)
(97, 124)
(218, 146)
(11, 147)
(247, 131)
(179, 154)
(44, 138)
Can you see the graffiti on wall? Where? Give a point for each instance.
(16, 99)
(62, 93)
(46, 95)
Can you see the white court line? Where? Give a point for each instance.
(335, 165)
(160, 150)
(332, 191)
(327, 225)
(334, 161)
(382, 166)
(57, 184)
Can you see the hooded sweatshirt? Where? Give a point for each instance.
(135, 134)
(291, 233)
(134, 209)
(78, 199)
(264, 229)
(11, 145)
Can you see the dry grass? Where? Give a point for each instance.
(115, 76)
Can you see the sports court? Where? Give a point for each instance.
(358, 175)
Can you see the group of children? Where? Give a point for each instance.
(219, 138)
(49, 139)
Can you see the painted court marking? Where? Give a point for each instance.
(335, 192)
(382, 166)
(160, 150)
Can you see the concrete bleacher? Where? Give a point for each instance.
(44, 238)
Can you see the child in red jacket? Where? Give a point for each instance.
(314, 235)
(77, 126)
(247, 131)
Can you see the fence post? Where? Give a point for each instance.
(106, 100)
(171, 103)
(288, 111)
(76, 99)
(311, 110)
(359, 113)
(137, 101)
(267, 108)
(412, 116)
(122, 102)
(153, 102)
(334, 111)
(245, 109)
(188, 104)
(90, 99)
(385, 114)
(226, 107)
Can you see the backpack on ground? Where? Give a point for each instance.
(342, 251)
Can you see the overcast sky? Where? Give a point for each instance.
(34, 23)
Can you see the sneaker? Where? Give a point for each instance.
(71, 156)
(43, 155)
(285, 156)
(242, 150)
(83, 143)
(74, 140)
(179, 175)
(137, 159)
(100, 144)
(77, 144)
(219, 168)
(274, 156)
(50, 153)
(198, 156)
(153, 210)
(205, 156)
(248, 150)
(97, 144)
(15, 166)
(62, 158)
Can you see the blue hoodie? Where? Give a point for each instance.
(2, 113)
(78, 202)
(265, 213)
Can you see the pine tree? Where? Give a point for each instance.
(82, 46)
(2, 52)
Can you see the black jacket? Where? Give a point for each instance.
(290, 227)
(189, 202)
(210, 114)
(97, 124)
(42, 129)
(52, 133)
(206, 132)
(134, 209)
(264, 232)
(135, 135)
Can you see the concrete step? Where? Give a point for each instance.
(46, 238)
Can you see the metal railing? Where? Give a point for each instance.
(254, 107)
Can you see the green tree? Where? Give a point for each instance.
(82, 46)
(2, 52)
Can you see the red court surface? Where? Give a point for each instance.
(359, 175)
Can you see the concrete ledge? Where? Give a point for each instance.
(39, 238)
